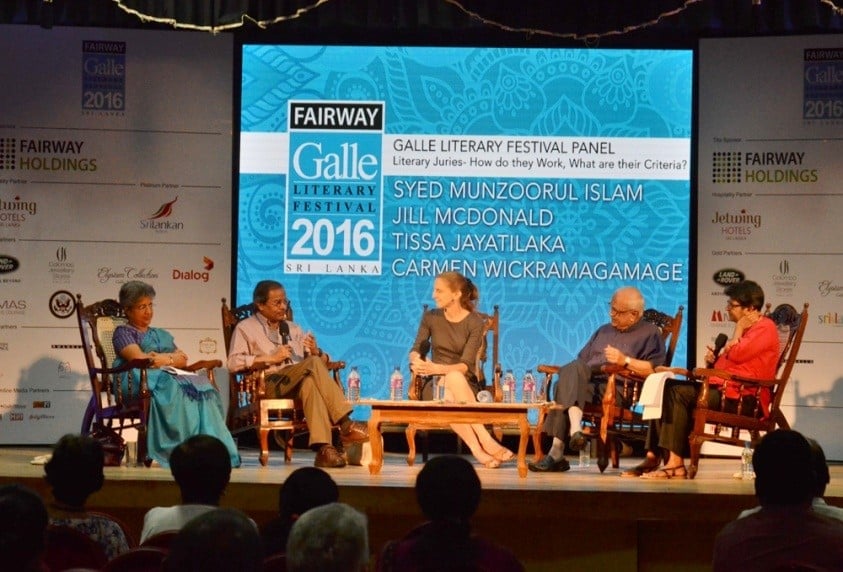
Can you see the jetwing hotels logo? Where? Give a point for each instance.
(103, 78)
(15, 212)
(160, 221)
(736, 225)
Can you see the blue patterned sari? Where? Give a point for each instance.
(181, 406)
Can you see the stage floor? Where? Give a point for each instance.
(583, 519)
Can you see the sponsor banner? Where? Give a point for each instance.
(109, 172)
(769, 200)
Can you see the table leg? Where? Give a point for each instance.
(375, 441)
(524, 429)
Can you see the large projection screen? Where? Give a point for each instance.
(549, 177)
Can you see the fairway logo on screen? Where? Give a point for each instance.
(334, 188)
(103, 78)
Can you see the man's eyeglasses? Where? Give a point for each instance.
(615, 312)
(731, 304)
(278, 303)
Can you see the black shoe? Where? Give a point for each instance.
(577, 441)
(329, 458)
(549, 465)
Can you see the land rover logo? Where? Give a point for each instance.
(8, 264)
(728, 276)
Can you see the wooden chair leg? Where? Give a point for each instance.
(696, 447)
(614, 451)
(410, 432)
(263, 435)
(288, 447)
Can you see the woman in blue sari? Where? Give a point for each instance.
(181, 405)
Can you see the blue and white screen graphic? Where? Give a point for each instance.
(549, 177)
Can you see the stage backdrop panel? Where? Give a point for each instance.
(115, 164)
(770, 203)
(549, 177)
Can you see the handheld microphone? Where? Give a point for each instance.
(719, 342)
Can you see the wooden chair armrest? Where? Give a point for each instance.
(335, 365)
(684, 372)
(548, 369)
(138, 363)
(208, 364)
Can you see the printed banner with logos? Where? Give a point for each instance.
(115, 165)
(770, 203)
(548, 177)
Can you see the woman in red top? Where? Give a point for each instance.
(752, 351)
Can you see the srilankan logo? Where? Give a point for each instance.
(728, 276)
(62, 304)
(160, 220)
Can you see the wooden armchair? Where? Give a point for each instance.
(491, 338)
(611, 420)
(724, 426)
(108, 405)
(248, 407)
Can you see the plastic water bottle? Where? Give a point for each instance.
(439, 388)
(585, 456)
(747, 471)
(528, 387)
(396, 385)
(508, 387)
(353, 383)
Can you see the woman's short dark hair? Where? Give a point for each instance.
(74, 471)
(134, 290)
(262, 289)
(747, 293)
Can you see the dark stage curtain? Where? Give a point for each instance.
(498, 21)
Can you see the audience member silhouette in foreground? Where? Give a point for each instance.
(822, 478)
(23, 523)
(201, 467)
(330, 537)
(222, 540)
(304, 489)
(74, 472)
(448, 492)
(787, 533)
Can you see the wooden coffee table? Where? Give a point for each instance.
(428, 414)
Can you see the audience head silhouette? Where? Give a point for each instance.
(23, 522)
(217, 541)
(784, 470)
(448, 488)
(304, 489)
(201, 467)
(329, 537)
(821, 474)
(75, 469)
